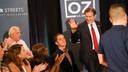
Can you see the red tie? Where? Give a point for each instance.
(94, 38)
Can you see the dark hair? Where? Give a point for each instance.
(1, 44)
(38, 51)
(6, 35)
(12, 56)
(55, 37)
(90, 9)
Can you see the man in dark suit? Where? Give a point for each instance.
(88, 52)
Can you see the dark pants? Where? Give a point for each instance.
(92, 64)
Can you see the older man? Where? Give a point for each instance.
(15, 38)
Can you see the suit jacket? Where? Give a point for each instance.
(85, 53)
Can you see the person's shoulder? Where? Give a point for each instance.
(84, 23)
(5, 69)
(106, 33)
(12, 65)
(97, 21)
(126, 28)
(21, 40)
(55, 53)
(70, 52)
(125, 33)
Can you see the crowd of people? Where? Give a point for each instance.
(99, 52)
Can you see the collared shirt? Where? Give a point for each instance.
(96, 31)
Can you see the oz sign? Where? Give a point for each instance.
(76, 8)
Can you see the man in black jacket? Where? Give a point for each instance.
(67, 62)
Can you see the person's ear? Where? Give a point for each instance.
(110, 19)
(19, 55)
(56, 43)
(95, 16)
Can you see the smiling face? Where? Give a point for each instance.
(60, 41)
(90, 17)
(15, 33)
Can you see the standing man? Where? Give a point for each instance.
(114, 42)
(89, 34)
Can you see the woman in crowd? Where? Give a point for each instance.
(16, 60)
(3, 68)
(40, 54)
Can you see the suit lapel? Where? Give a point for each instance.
(87, 28)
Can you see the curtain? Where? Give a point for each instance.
(44, 22)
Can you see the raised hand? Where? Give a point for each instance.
(73, 24)
(40, 67)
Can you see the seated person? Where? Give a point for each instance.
(40, 54)
(16, 60)
(64, 60)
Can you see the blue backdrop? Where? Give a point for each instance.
(14, 12)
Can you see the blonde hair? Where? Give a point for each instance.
(117, 11)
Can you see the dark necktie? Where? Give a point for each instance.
(95, 42)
